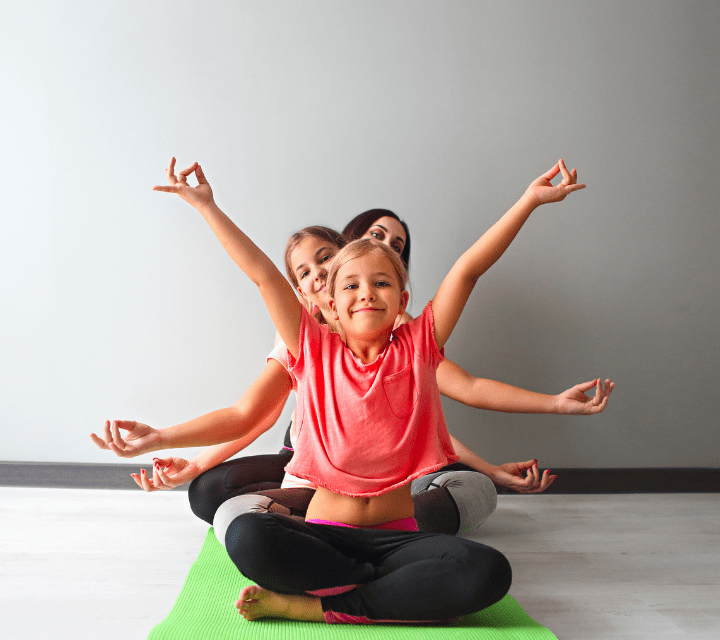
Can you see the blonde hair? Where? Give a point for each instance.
(362, 247)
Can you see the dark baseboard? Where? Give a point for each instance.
(117, 476)
(59, 475)
(655, 480)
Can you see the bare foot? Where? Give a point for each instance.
(256, 602)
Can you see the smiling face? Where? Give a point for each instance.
(310, 261)
(388, 231)
(368, 297)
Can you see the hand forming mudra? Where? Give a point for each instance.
(202, 194)
(543, 191)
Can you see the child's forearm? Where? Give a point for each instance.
(451, 297)
(244, 252)
(488, 249)
(277, 294)
(485, 252)
(216, 427)
(498, 396)
(456, 383)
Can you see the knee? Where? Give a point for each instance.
(200, 495)
(251, 544)
(491, 578)
(474, 495)
(234, 507)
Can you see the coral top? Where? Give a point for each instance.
(366, 429)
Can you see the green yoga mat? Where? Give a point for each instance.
(205, 610)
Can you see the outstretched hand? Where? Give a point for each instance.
(140, 438)
(543, 191)
(510, 475)
(196, 196)
(168, 473)
(575, 402)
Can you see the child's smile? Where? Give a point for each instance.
(310, 261)
(367, 296)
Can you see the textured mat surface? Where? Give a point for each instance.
(205, 610)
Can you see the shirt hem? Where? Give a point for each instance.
(387, 489)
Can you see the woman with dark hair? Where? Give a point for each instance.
(378, 224)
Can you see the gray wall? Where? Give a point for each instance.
(118, 301)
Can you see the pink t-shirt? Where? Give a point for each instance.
(366, 429)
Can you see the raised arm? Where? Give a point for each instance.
(456, 383)
(449, 301)
(277, 294)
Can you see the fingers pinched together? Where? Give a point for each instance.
(536, 482)
(574, 401)
(159, 481)
(197, 196)
(511, 475)
(112, 440)
(140, 438)
(544, 191)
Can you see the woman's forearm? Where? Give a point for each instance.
(216, 454)
(456, 383)
(470, 458)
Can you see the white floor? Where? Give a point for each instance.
(109, 564)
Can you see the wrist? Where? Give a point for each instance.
(163, 439)
(529, 201)
(196, 467)
(556, 405)
(207, 208)
(493, 472)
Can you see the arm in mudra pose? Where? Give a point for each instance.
(455, 383)
(463, 495)
(368, 302)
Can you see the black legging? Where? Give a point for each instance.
(401, 576)
(235, 478)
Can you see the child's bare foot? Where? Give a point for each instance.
(256, 602)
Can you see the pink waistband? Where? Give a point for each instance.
(403, 524)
